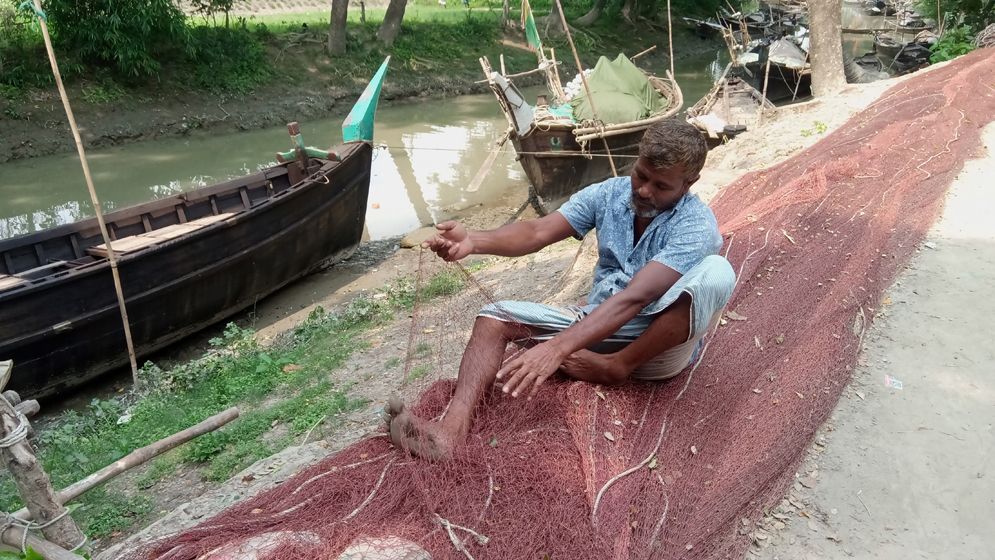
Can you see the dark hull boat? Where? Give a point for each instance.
(789, 75)
(731, 107)
(185, 262)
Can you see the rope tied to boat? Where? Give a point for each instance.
(9, 521)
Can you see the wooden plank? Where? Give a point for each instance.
(246, 203)
(207, 220)
(172, 232)
(74, 240)
(7, 282)
(143, 240)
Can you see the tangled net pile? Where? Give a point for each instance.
(663, 470)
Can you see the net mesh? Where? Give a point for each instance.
(650, 470)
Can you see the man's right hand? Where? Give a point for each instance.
(452, 243)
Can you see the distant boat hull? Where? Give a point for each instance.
(557, 167)
(246, 239)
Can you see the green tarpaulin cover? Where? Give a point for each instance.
(622, 93)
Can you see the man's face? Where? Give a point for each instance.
(655, 191)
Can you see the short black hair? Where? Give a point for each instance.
(671, 142)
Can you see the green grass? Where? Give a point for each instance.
(283, 390)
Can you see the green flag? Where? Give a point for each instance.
(529, 23)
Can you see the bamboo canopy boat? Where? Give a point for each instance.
(562, 144)
(732, 106)
(185, 262)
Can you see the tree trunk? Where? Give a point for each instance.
(826, 46)
(592, 16)
(553, 25)
(506, 14)
(391, 25)
(336, 27)
(34, 486)
(629, 10)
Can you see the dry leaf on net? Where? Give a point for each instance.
(609, 436)
(733, 316)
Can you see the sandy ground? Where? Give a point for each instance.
(906, 469)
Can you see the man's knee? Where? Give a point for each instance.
(718, 276)
(496, 328)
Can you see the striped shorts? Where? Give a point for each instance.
(709, 284)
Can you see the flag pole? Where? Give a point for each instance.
(111, 258)
(583, 79)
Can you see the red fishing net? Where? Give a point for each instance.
(661, 470)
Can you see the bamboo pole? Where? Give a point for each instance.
(518, 75)
(140, 456)
(643, 52)
(111, 258)
(14, 537)
(670, 38)
(556, 72)
(478, 179)
(583, 79)
(760, 117)
(503, 71)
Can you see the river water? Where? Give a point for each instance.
(431, 150)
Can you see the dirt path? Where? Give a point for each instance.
(904, 468)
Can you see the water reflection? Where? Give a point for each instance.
(430, 151)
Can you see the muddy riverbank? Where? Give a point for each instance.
(36, 125)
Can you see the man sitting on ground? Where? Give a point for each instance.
(658, 285)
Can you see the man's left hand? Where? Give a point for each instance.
(530, 369)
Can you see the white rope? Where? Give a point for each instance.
(10, 521)
(18, 434)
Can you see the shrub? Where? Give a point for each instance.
(953, 43)
(131, 37)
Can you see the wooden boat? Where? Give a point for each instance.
(732, 106)
(887, 46)
(561, 156)
(790, 75)
(185, 262)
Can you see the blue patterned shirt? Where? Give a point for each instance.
(678, 238)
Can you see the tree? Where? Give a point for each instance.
(506, 14)
(594, 14)
(826, 46)
(629, 10)
(391, 25)
(336, 27)
(553, 25)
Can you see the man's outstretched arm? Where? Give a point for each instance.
(454, 241)
(525, 373)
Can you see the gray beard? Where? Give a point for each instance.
(651, 213)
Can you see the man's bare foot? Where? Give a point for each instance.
(585, 364)
(415, 435)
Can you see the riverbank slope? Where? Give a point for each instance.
(433, 57)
